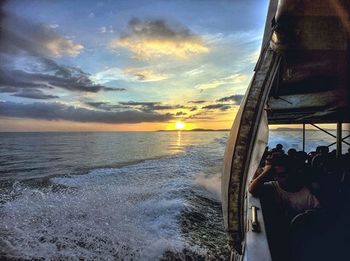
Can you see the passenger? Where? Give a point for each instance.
(345, 161)
(322, 150)
(289, 193)
(332, 154)
(347, 155)
(310, 157)
(279, 148)
(311, 230)
(302, 156)
(292, 153)
(266, 160)
(345, 187)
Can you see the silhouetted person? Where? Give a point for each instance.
(279, 148)
(292, 153)
(291, 196)
(281, 200)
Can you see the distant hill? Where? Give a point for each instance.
(197, 129)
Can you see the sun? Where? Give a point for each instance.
(179, 125)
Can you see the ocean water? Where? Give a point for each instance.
(112, 196)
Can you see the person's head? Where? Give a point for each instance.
(318, 162)
(302, 156)
(292, 153)
(279, 147)
(281, 175)
(280, 164)
(322, 150)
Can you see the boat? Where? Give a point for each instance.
(301, 77)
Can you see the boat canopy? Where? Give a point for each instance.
(313, 38)
(301, 77)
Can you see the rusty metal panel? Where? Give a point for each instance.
(313, 37)
(241, 144)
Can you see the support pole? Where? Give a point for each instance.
(339, 139)
(303, 137)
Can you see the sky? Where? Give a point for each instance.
(126, 65)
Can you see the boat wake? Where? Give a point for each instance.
(156, 209)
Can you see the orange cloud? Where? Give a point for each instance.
(152, 39)
(151, 48)
(62, 46)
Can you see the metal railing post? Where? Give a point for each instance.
(339, 139)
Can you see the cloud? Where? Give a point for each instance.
(237, 99)
(145, 75)
(106, 29)
(59, 111)
(195, 72)
(180, 113)
(197, 102)
(111, 74)
(34, 94)
(50, 75)
(127, 75)
(54, 26)
(27, 50)
(222, 107)
(156, 38)
(20, 35)
(232, 79)
(61, 46)
(106, 106)
(103, 29)
(152, 106)
(202, 115)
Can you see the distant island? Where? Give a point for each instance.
(277, 129)
(197, 129)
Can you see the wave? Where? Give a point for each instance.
(141, 211)
(212, 183)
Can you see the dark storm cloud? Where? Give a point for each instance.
(222, 107)
(34, 46)
(237, 99)
(34, 94)
(151, 106)
(59, 111)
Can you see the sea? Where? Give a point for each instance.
(117, 196)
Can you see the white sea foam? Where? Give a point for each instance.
(130, 213)
(212, 183)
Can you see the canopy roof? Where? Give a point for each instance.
(313, 38)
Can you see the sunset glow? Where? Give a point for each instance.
(126, 66)
(179, 125)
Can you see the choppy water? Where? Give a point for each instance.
(108, 196)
